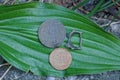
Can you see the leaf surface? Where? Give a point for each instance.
(19, 44)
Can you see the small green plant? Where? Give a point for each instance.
(102, 5)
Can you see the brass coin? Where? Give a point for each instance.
(52, 33)
(60, 59)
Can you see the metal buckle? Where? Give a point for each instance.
(70, 44)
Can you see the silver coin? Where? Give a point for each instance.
(51, 33)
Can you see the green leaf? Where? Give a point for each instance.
(19, 44)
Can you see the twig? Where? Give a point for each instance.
(4, 64)
(86, 12)
(80, 4)
(16, 78)
(118, 4)
(13, 2)
(5, 2)
(5, 72)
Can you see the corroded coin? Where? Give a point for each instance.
(52, 33)
(60, 59)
